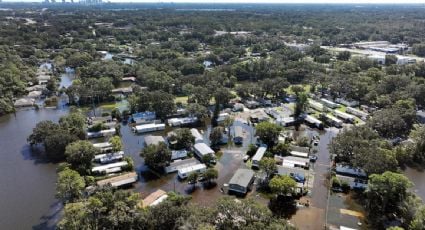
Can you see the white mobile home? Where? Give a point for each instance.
(329, 103)
(222, 116)
(333, 120)
(312, 121)
(109, 157)
(197, 135)
(148, 128)
(344, 116)
(258, 156)
(182, 121)
(185, 172)
(102, 133)
(359, 113)
(202, 149)
(291, 161)
(104, 146)
(106, 168)
(315, 105)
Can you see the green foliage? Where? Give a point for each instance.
(79, 155)
(183, 138)
(160, 102)
(216, 135)
(211, 174)
(156, 156)
(116, 143)
(385, 193)
(419, 49)
(268, 166)
(197, 110)
(344, 56)
(282, 185)
(252, 149)
(281, 149)
(69, 186)
(268, 132)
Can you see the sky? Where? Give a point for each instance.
(261, 1)
(284, 1)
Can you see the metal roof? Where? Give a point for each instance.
(242, 177)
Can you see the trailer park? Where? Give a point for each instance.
(240, 175)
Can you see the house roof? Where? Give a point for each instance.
(151, 198)
(242, 177)
(154, 140)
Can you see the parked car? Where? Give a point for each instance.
(313, 158)
(316, 142)
(297, 177)
(245, 158)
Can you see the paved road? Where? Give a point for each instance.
(319, 193)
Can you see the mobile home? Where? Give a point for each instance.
(344, 116)
(148, 128)
(359, 113)
(202, 149)
(109, 157)
(197, 135)
(329, 103)
(333, 120)
(258, 156)
(313, 122)
(183, 173)
(104, 146)
(315, 105)
(241, 181)
(108, 168)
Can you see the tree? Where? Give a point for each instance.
(385, 193)
(417, 148)
(69, 186)
(192, 178)
(300, 104)
(344, 56)
(268, 166)
(41, 131)
(419, 49)
(80, 155)
(56, 143)
(388, 122)
(244, 214)
(184, 139)
(418, 222)
(268, 132)
(282, 185)
(74, 216)
(156, 156)
(116, 143)
(390, 60)
(216, 136)
(197, 110)
(345, 144)
(210, 174)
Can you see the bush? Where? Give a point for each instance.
(336, 183)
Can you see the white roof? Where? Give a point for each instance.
(344, 115)
(312, 120)
(198, 137)
(290, 160)
(259, 154)
(203, 149)
(109, 166)
(299, 154)
(149, 126)
(192, 168)
(102, 145)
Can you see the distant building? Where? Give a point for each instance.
(241, 181)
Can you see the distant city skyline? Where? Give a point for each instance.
(258, 1)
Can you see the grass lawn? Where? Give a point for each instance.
(306, 88)
(182, 99)
(342, 108)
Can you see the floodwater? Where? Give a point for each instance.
(67, 78)
(418, 179)
(27, 182)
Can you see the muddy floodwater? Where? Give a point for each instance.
(27, 183)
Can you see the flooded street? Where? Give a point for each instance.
(418, 178)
